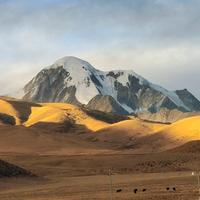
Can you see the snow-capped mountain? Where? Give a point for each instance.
(76, 81)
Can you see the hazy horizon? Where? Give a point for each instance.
(157, 39)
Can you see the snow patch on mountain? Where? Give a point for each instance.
(79, 76)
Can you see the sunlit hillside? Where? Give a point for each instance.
(136, 134)
(131, 128)
(184, 130)
(59, 112)
(18, 109)
(29, 114)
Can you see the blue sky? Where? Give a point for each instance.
(158, 39)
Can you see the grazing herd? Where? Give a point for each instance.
(144, 190)
(174, 189)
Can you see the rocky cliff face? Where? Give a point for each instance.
(166, 115)
(189, 99)
(106, 104)
(76, 81)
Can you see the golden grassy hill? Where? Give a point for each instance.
(171, 136)
(123, 134)
(29, 114)
(7, 108)
(20, 110)
(184, 130)
(142, 136)
(33, 141)
(61, 112)
(39, 128)
(40, 121)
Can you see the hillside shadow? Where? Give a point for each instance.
(23, 108)
(7, 119)
(66, 127)
(110, 118)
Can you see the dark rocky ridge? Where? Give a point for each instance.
(189, 99)
(105, 104)
(166, 115)
(10, 170)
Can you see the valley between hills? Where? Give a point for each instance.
(63, 151)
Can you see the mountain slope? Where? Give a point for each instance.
(61, 128)
(166, 115)
(123, 134)
(17, 109)
(75, 81)
(174, 135)
(63, 113)
(17, 112)
(184, 130)
(140, 136)
(188, 99)
(189, 147)
(20, 140)
(106, 103)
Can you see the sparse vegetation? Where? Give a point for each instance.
(10, 170)
(7, 119)
(106, 117)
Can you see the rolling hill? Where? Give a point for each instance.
(183, 130)
(192, 147)
(139, 136)
(62, 112)
(16, 108)
(61, 128)
(172, 136)
(49, 128)
(29, 114)
(124, 133)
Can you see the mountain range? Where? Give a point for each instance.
(76, 81)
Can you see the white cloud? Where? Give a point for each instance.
(158, 39)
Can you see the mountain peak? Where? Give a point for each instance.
(72, 62)
(71, 79)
